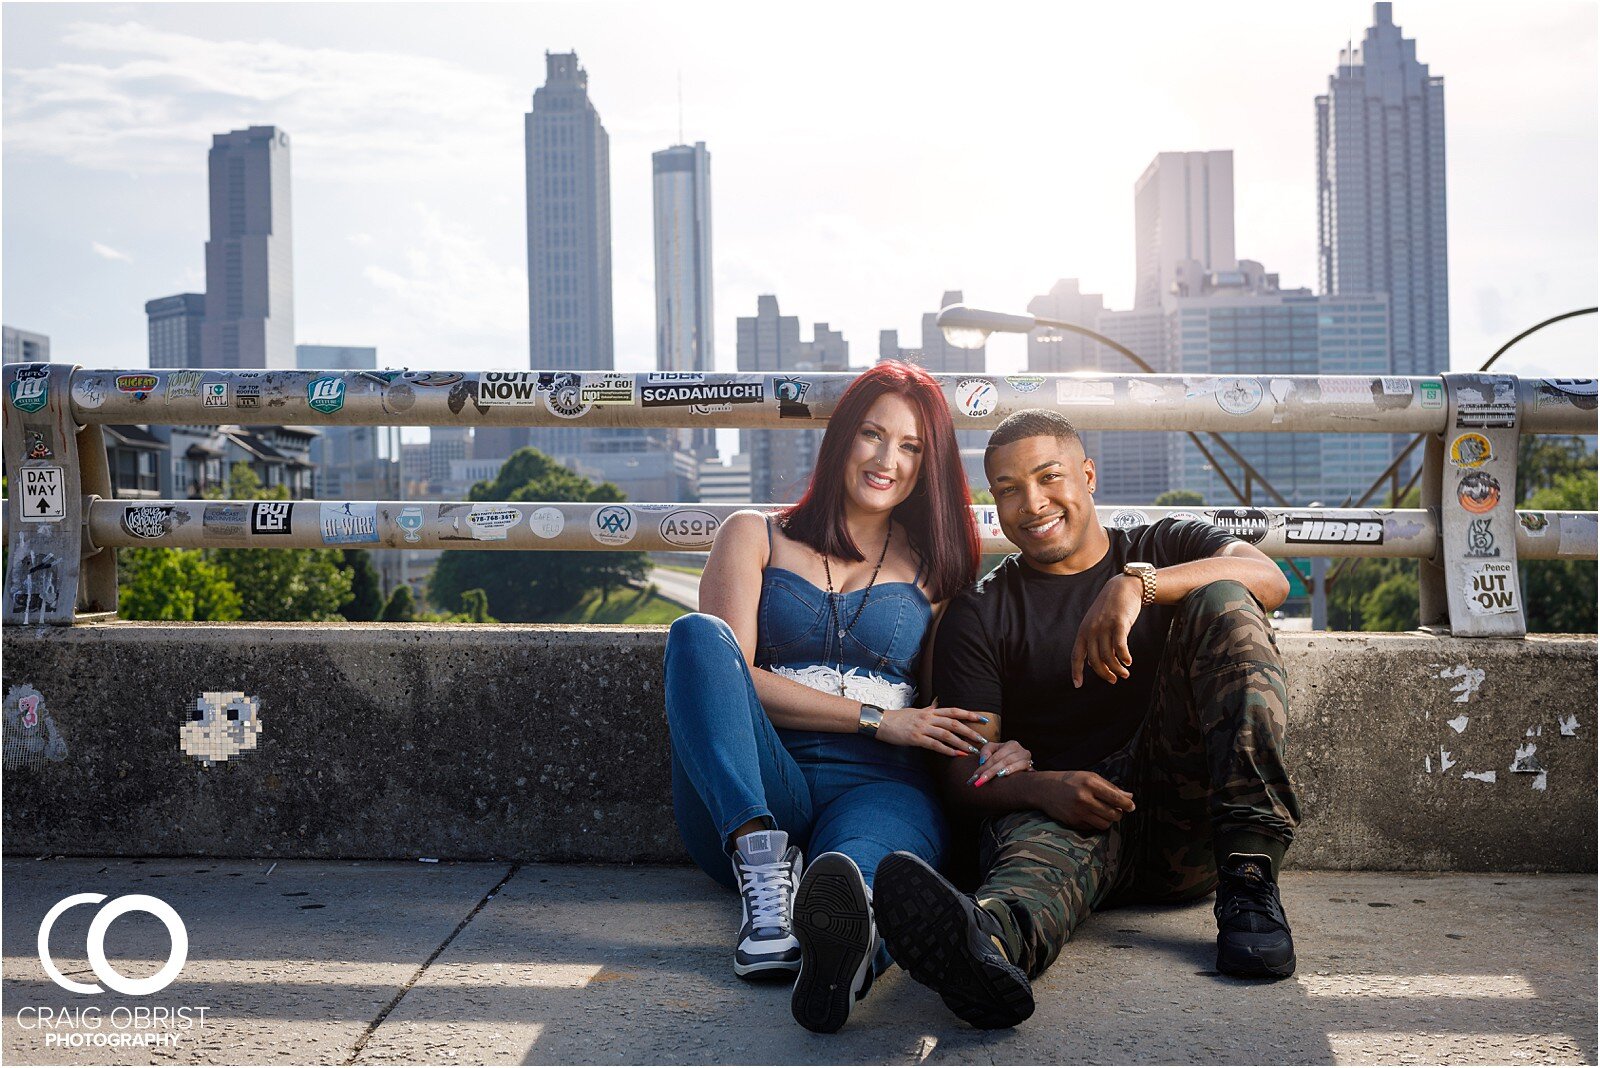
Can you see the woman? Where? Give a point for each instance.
(791, 701)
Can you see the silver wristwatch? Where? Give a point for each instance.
(871, 720)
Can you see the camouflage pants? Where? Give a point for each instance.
(1206, 773)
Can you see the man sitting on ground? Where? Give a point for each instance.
(1139, 668)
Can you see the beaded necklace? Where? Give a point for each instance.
(833, 600)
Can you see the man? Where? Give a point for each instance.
(1138, 667)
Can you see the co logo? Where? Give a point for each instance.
(97, 944)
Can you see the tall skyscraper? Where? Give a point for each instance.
(1381, 190)
(781, 460)
(23, 346)
(249, 304)
(1183, 222)
(568, 169)
(684, 326)
(175, 327)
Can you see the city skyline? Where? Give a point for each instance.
(419, 251)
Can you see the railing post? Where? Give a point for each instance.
(47, 456)
(1476, 465)
(1433, 607)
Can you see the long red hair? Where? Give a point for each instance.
(938, 513)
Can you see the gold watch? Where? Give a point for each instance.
(1146, 574)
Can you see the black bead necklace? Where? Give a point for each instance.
(833, 600)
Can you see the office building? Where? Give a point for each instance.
(249, 305)
(568, 170)
(1381, 191)
(727, 483)
(23, 346)
(684, 325)
(781, 460)
(1182, 221)
(175, 326)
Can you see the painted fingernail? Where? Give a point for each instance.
(1001, 773)
(983, 719)
(973, 779)
(974, 750)
(982, 758)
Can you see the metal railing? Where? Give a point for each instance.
(1468, 533)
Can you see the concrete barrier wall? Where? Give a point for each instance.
(543, 742)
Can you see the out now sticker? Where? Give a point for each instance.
(43, 497)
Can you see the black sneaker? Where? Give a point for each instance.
(948, 943)
(833, 919)
(767, 870)
(1253, 940)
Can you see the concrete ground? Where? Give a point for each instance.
(382, 962)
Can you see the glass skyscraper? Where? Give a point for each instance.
(1381, 191)
(249, 305)
(684, 326)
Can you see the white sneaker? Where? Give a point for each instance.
(767, 870)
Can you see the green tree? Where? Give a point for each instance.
(402, 606)
(529, 587)
(1179, 498)
(281, 585)
(1558, 595)
(366, 592)
(475, 606)
(173, 584)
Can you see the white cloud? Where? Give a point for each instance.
(109, 253)
(159, 94)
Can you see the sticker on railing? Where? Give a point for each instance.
(1247, 524)
(350, 523)
(686, 394)
(216, 395)
(563, 394)
(1432, 394)
(1487, 404)
(1490, 589)
(221, 725)
(690, 528)
(1478, 492)
(139, 385)
(31, 735)
(271, 517)
(1084, 391)
(1535, 524)
(490, 523)
(791, 393)
(613, 525)
(608, 388)
(31, 393)
(225, 520)
(1127, 519)
(43, 498)
(183, 384)
(1302, 530)
(410, 522)
(1471, 450)
(151, 521)
(326, 394)
(547, 522)
(1480, 539)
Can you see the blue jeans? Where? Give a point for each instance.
(830, 792)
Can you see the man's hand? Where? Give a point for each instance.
(1103, 635)
(1082, 800)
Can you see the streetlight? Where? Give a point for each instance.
(969, 328)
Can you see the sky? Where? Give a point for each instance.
(865, 158)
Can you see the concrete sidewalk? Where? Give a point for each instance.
(381, 962)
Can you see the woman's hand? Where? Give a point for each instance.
(944, 730)
(1000, 759)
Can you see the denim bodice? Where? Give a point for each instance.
(796, 636)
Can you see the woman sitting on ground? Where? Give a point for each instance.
(792, 699)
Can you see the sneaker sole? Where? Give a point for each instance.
(834, 923)
(1251, 966)
(925, 924)
(763, 969)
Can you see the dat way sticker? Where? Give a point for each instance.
(42, 498)
(1489, 589)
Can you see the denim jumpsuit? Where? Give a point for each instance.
(829, 791)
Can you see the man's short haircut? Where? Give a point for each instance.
(1032, 423)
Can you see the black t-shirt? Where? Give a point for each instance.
(1005, 646)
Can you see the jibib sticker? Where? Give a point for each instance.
(1298, 530)
(613, 525)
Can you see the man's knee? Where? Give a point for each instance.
(1220, 598)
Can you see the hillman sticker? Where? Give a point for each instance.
(491, 524)
(136, 383)
(1299, 530)
(1471, 450)
(349, 524)
(30, 394)
(270, 517)
(607, 389)
(613, 525)
(976, 397)
(182, 384)
(326, 395)
(678, 395)
(215, 394)
(225, 520)
(148, 520)
(1247, 524)
(547, 522)
(563, 394)
(1127, 519)
(43, 499)
(1489, 589)
(690, 528)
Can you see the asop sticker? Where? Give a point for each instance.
(690, 528)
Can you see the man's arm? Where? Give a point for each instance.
(1081, 800)
(1102, 644)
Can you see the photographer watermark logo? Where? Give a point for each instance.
(102, 967)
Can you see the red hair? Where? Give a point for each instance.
(938, 513)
